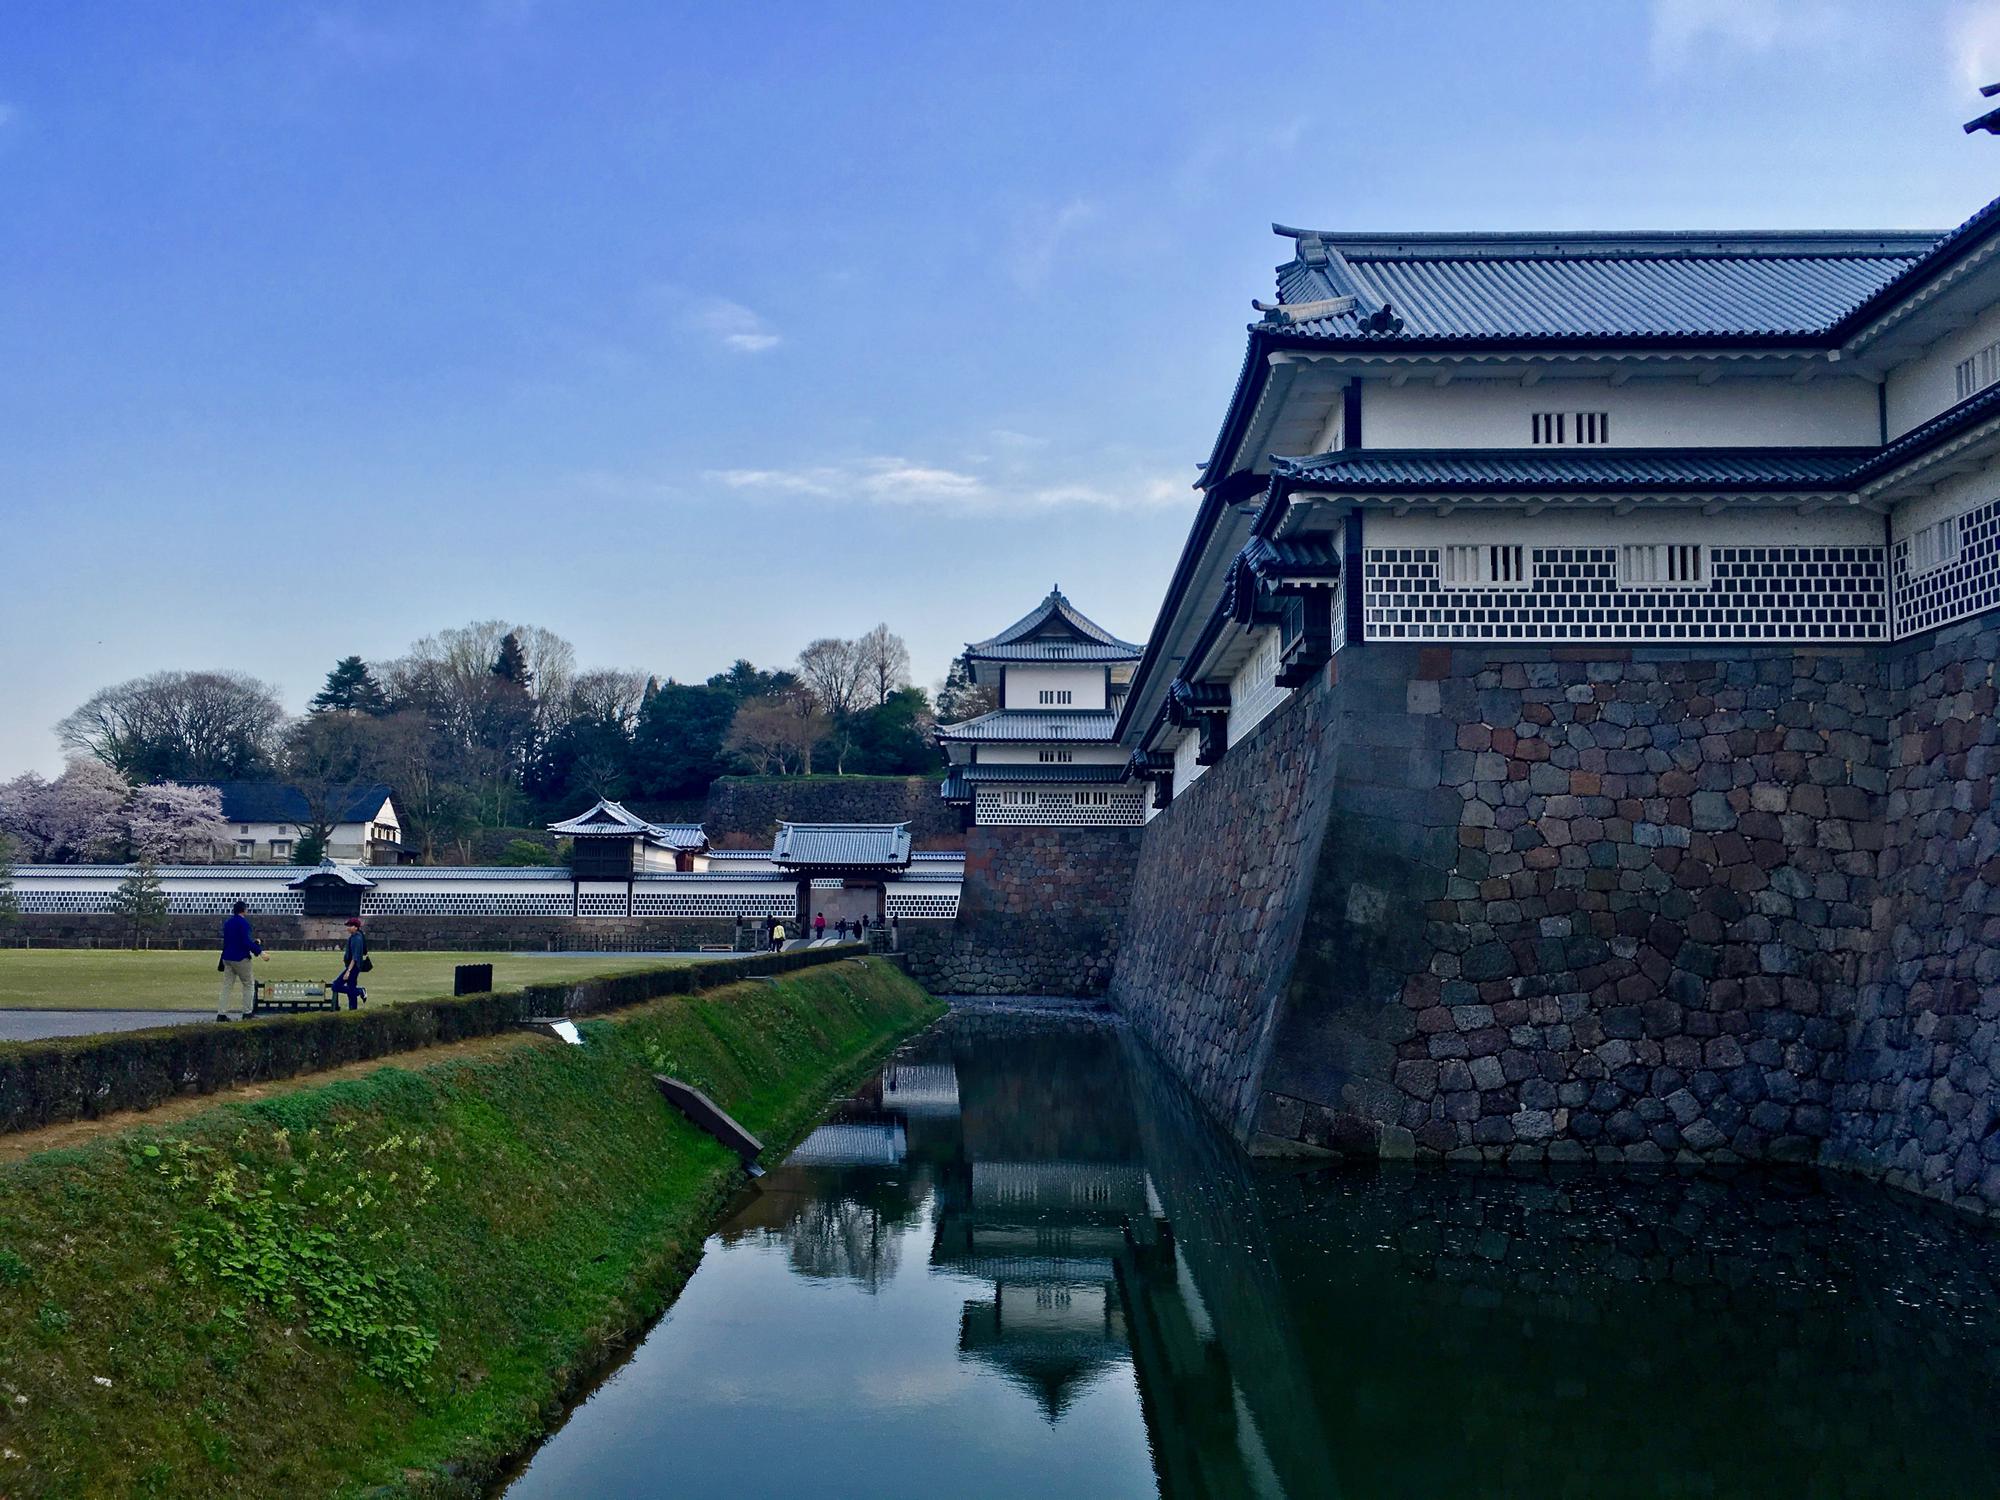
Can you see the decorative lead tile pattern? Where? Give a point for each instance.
(1959, 588)
(1770, 593)
(1060, 807)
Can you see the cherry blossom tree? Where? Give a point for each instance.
(77, 818)
(168, 823)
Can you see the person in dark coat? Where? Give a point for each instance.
(239, 947)
(352, 959)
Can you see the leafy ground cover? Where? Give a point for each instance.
(162, 979)
(393, 1280)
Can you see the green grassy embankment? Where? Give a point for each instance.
(167, 979)
(391, 1281)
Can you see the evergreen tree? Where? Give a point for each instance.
(309, 850)
(511, 665)
(10, 906)
(140, 900)
(350, 685)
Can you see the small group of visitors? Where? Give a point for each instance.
(845, 929)
(240, 947)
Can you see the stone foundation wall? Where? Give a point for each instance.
(1039, 914)
(744, 812)
(1218, 899)
(596, 934)
(1538, 903)
(1918, 1103)
(1625, 905)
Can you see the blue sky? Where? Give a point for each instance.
(695, 332)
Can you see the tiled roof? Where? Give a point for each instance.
(1033, 724)
(1534, 470)
(954, 789)
(1058, 651)
(345, 874)
(1054, 611)
(983, 773)
(275, 802)
(613, 820)
(1459, 287)
(845, 845)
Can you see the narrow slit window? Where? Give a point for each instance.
(1671, 565)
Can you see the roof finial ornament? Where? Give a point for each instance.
(1990, 121)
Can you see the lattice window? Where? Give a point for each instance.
(1949, 590)
(1485, 565)
(1056, 696)
(1977, 370)
(1753, 594)
(1055, 757)
(1062, 808)
(1562, 429)
(1254, 691)
(1673, 565)
(1935, 545)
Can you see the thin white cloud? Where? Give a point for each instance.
(348, 36)
(1687, 31)
(1974, 43)
(1041, 237)
(734, 326)
(911, 485)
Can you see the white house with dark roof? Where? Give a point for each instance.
(1048, 753)
(1635, 438)
(267, 819)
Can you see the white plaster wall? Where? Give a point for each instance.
(1088, 753)
(1254, 691)
(1645, 413)
(1086, 685)
(1187, 770)
(1844, 527)
(1953, 497)
(1920, 389)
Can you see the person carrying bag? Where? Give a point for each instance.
(354, 963)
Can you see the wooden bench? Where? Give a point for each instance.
(294, 994)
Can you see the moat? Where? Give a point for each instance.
(1019, 1263)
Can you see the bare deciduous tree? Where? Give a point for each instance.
(885, 662)
(833, 672)
(178, 726)
(778, 733)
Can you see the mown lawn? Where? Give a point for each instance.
(101, 979)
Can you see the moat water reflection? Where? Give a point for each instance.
(1017, 1263)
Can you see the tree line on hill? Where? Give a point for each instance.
(486, 726)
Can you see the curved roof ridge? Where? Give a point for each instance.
(1055, 605)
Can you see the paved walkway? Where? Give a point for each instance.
(33, 1025)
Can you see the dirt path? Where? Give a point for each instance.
(19, 1144)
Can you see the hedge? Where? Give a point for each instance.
(81, 1078)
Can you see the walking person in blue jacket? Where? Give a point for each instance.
(354, 962)
(239, 947)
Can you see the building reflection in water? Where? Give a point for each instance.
(1027, 1144)
(1316, 1331)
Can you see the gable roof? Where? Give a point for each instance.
(842, 845)
(1054, 630)
(277, 802)
(1585, 287)
(608, 819)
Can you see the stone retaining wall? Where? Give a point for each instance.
(743, 812)
(1917, 1103)
(1039, 914)
(1622, 905)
